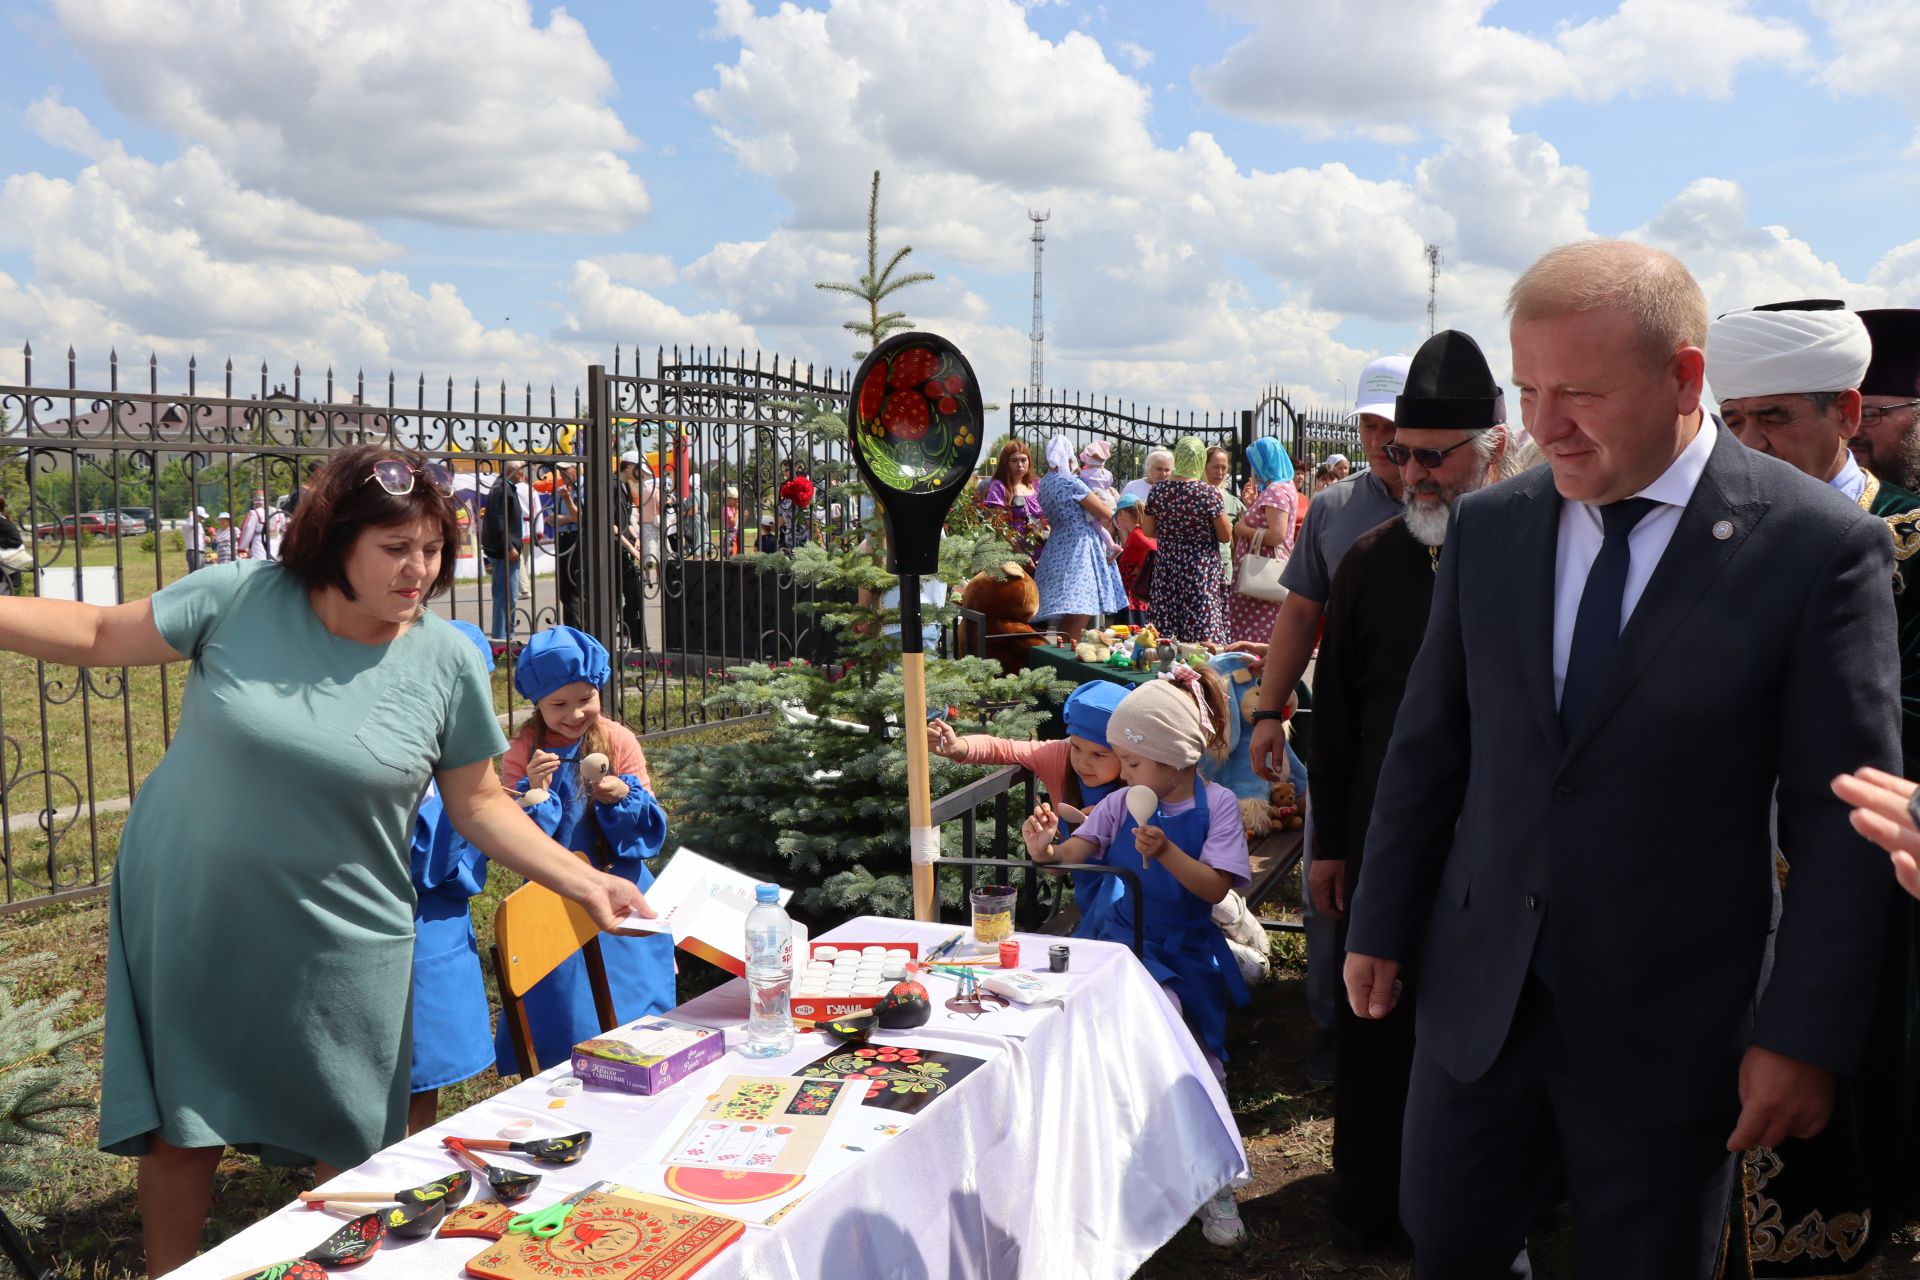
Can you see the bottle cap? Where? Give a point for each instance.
(766, 893)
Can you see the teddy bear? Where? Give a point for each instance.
(1009, 604)
(1278, 811)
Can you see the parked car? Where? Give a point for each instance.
(97, 524)
(141, 516)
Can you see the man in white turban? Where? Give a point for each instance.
(1788, 376)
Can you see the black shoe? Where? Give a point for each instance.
(1321, 1062)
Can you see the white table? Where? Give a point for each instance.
(1075, 1151)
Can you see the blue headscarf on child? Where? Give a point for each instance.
(1269, 461)
(1089, 707)
(558, 657)
(478, 639)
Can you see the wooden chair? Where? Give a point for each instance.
(535, 932)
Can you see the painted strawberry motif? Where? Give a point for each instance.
(905, 416)
(913, 367)
(873, 393)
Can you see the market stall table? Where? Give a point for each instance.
(1092, 1132)
(1072, 668)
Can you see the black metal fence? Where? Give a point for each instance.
(700, 450)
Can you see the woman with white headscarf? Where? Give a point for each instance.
(1075, 578)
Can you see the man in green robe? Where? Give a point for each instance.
(1788, 376)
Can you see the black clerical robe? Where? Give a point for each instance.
(1375, 618)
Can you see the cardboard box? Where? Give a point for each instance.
(647, 1056)
(817, 1005)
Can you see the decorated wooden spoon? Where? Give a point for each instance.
(353, 1243)
(508, 1185)
(452, 1188)
(407, 1221)
(566, 1150)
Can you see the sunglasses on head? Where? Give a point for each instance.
(396, 477)
(1400, 454)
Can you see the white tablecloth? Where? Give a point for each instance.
(1075, 1151)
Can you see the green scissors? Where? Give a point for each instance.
(546, 1224)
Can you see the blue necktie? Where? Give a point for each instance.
(1596, 627)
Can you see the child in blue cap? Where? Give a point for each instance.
(1080, 770)
(452, 1040)
(615, 822)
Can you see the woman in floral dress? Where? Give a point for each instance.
(1075, 578)
(1267, 528)
(1188, 517)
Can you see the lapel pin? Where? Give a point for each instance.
(1723, 529)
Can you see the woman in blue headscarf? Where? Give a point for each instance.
(1266, 528)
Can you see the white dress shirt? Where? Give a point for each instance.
(1581, 534)
(1850, 479)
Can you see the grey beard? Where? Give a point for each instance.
(1427, 524)
(1909, 460)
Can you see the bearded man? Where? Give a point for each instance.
(1449, 438)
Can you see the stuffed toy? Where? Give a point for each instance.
(1235, 772)
(1093, 648)
(1279, 811)
(1009, 606)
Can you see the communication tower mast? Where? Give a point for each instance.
(1037, 378)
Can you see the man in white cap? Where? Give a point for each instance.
(196, 538)
(1335, 521)
(1788, 376)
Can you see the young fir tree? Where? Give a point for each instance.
(43, 1083)
(819, 802)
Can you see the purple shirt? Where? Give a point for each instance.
(1226, 846)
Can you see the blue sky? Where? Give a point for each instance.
(1239, 190)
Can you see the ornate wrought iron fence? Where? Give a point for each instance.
(105, 483)
(102, 478)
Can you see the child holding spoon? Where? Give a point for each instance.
(612, 819)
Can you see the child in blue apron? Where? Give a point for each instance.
(1189, 856)
(1080, 769)
(451, 1041)
(615, 823)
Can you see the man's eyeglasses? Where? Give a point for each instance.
(396, 477)
(1870, 414)
(1400, 454)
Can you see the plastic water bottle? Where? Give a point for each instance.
(769, 975)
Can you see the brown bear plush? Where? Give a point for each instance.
(1280, 811)
(1009, 607)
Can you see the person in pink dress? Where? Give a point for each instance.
(1266, 528)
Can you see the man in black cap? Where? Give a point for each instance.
(1449, 439)
(1889, 442)
(1630, 656)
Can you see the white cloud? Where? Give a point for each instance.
(467, 114)
(1138, 56)
(195, 194)
(1417, 64)
(1508, 197)
(648, 270)
(602, 312)
(1875, 42)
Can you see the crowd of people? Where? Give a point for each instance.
(1611, 706)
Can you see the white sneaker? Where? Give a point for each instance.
(1220, 1220)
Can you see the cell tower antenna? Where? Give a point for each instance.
(1037, 379)
(1433, 283)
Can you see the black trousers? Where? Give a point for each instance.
(1369, 1102)
(566, 554)
(1482, 1161)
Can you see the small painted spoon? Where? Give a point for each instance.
(564, 1150)
(508, 1185)
(353, 1243)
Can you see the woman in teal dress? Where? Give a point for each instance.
(261, 930)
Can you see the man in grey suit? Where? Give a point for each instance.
(1630, 654)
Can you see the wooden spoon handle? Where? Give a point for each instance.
(254, 1271)
(347, 1197)
(480, 1144)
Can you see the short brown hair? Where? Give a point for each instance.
(341, 501)
(1653, 287)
